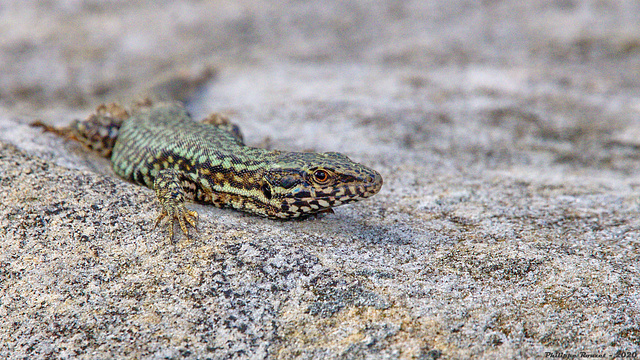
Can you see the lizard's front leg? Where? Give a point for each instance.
(171, 194)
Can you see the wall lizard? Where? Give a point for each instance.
(158, 145)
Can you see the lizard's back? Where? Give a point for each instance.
(164, 136)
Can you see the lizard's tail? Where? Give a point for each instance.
(97, 132)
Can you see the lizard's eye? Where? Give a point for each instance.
(321, 176)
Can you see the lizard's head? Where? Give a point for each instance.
(299, 184)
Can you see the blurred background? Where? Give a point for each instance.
(77, 52)
(487, 82)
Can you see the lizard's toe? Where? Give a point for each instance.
(180, 214)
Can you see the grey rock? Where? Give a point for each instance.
(506, 132)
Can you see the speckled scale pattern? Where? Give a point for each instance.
(213, 166)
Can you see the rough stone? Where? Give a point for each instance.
(506, 132)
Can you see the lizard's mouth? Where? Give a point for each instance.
(310, 201)
(365, 187)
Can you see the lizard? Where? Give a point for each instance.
(160, 146)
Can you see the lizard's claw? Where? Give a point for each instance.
(171, 196)
(179, 213)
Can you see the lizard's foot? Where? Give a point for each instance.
(171, 195)
(98, 132)
(222, 122)
(179, 213)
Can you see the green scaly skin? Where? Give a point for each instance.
(161, 147)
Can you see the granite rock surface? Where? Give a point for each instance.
(507, 134)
